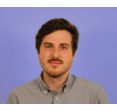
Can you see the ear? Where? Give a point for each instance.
(74, 55)
(37, 51)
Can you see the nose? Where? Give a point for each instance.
(55, 53)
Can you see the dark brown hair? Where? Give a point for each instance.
(54, 25)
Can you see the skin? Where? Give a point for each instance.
(55, 77)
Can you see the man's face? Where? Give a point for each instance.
(56, 47)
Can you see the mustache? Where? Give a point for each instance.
(55, 60)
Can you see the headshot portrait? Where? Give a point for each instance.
(58, 55)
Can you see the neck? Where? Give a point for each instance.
(55, 83)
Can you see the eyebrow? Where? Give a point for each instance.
(52, 44)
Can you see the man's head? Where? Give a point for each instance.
(57, 41)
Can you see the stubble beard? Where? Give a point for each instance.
(55, 72)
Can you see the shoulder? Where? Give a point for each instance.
(23, 92)
(87, 84)
(30, 86)
(90, 88)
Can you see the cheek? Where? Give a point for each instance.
(68, 59)
(68, 55)
(44, 56)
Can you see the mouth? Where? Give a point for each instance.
(55, 63)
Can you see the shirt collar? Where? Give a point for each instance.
(65, 88)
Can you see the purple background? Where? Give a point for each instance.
(95, 59)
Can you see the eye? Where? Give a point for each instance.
(48, 46)
(64, 47)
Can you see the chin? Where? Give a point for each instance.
(53, 72)
(55, 75)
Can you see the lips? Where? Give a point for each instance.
(55, 63)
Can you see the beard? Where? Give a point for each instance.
(55, 74)
(57, 71)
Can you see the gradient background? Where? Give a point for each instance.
(95, 59)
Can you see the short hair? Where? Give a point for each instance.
(54, 25)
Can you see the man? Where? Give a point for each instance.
(56, 44)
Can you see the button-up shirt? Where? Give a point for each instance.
(76, 90)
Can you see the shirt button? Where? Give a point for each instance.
(45, 92)
(64, 90)
(56, 98)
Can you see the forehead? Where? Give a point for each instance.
(57, 37)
